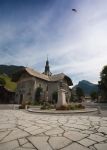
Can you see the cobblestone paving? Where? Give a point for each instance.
(21, 130)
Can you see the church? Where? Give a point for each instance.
(29, 80)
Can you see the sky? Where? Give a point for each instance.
(75, 42)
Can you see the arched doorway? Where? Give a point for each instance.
(21, 99)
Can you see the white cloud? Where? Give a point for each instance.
(75, 42)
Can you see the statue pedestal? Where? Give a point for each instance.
(61, 98)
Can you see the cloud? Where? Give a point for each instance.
(75, 42)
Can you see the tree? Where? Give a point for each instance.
(94, 95)
(79, 93)
(55, 96)
(103, 83)
(72, 98)
(2, 81)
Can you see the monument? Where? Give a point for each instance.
(61, 97)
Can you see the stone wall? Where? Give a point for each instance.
(40, 83)
(25, 90)
(52, 87)
(27, 85)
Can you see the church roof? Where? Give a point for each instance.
(39, 75)
(59, 77)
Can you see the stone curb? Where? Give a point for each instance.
(92, 110)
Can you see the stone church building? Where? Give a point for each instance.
(28, 80)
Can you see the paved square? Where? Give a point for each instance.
(20, 130)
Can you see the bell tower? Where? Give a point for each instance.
(47, 68)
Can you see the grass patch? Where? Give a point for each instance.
(9, 84)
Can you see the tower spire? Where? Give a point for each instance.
(47, 68)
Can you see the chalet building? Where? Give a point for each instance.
(29, 80)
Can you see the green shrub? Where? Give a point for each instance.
(80, 106)
(36, 103)
(39, 90)
(2, 81)
(55, 96)
(94, 95)
(63, 107)
(71, 107)
(46, 105)
(76, 106)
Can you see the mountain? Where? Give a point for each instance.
(87, 87)
(9, 69)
